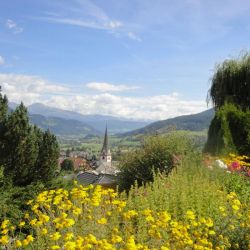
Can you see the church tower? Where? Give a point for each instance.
(105, 157)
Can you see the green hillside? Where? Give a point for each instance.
(195, 122)
(60, 126)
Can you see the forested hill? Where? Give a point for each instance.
(60, 126)
(195, 122)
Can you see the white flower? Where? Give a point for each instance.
(221, 164)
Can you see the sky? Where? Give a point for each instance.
(137, 59)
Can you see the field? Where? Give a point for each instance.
(121, 144)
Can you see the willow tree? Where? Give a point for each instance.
(229, 131)
(231, 83)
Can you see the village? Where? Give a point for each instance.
(89, 170)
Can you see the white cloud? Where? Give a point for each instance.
(81, 23)
(133, 36)
(11, 25)
(114, 24)
(2, 60)
(86, 14)
(107, 87)
(28, 88)
(137, 108)
(32, 89)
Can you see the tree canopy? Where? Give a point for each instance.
(229, 131)
(27, 154)
(231, 83)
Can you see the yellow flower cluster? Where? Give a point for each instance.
(97, 218)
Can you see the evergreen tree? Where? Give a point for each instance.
(26, 153)
(3, 106)
(21, 148)
(47, 161)
(3, 115)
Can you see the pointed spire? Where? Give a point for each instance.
(105, 143)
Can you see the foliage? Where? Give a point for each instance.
(231, 83)
(67, 165)
(96, 218)
(46, 164)
(229, 131)
(26, 153)
(155, 155)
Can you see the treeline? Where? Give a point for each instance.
(27, 154)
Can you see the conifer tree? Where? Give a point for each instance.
(3, 106)
(21, 148)
(47, 164)
(3, 115)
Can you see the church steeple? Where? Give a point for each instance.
(105, 157)
(105, 142)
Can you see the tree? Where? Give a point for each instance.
(3, 115)
(229, 131)
(3, 106)
(47, 160)
(27, 154)
(67, 165)
(231, 83)
(21, 149)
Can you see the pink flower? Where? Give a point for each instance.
(235, 165)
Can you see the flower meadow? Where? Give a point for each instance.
(185, 210)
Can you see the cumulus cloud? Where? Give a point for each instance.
(2, 61)
(31, 89)
(107, 87)
(11, 25)
(138, 108)
(28, 88)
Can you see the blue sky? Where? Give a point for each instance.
(139, 59)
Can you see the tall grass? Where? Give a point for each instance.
(189, 186)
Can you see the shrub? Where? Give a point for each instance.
(67, 165)
(157, 154)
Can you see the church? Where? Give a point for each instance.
(104, 164)
(105, 173)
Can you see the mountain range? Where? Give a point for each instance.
(64, 122)
(194, 122)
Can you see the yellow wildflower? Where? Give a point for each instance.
(4, 240)
(18, 243)
(102, 221)
(22, 223)
(55, 247)
(56, 236)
